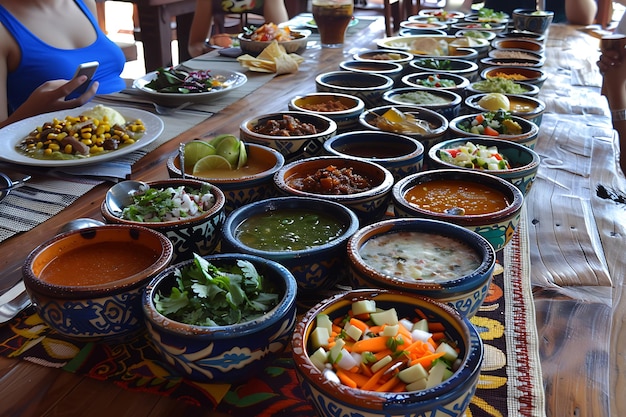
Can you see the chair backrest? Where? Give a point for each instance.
(397, 11)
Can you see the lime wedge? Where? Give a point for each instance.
(204, 166)
(195, 151)
(243, 156)
(229, 149)
(219, 138)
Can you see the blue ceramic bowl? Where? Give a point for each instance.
(345, 119)
(534, 76)
(369, 87)
(191, 235)
(240, 187)
(332, 399)
(292, 147)
(532, 21)
(400, 154)
(423, 28)
(393, 70)
(388, 55)
(223, 354)
(523, 160)
(416, 31)
(483, 86)
(529, 108)
(369, 206)
(106, 308)
(454, 66)
(528, 137)
(408, 96)
(496, 227)
(316, 268)
(421, 80)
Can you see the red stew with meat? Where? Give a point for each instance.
(287, 126)
(332, 181)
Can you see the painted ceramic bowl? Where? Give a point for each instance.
(415, 31)
(343, 109)
(438, 80)
(332, 398)
(294, 134)
(316, 264)
(502, 85)
(532, 20)
(528, 137)
(511, 62)
(360, 185)
(400, 154)
(534, 76)
(295, 46)
(420, 27)
(513, 53)
(428, 46)
(523, 44)
(489, 27)
(223, 353)
(393, 70)
(446, 19)
(389, 55)
(194, 234)
(473, 33)
(521, 34)
(446, 103)
(530, 108)
(460, 67)
(87, 284)
(495, 222)
(369, 87)
(441, 14)
(523, 161)
(241, 186)
(463, 285)
(432, 130)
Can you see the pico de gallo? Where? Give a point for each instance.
(495, 123)
(470, 155)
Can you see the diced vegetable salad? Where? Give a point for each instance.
(375, 350)
(474, 156)
(169, 204)
(492, 124)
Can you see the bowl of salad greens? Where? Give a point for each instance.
(189, 212)
(462, 67)
(499, 124)
(221, 318)
(437, 80)
(172, 86)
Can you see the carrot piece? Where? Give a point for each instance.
(382, 354)
(406, 334)
(438, 336)
(336, 329)
(376, 329)
(480, 118)
(373, 344)
(491, 131)
(432, 343)
(426, 361)
(359, 324)
(373, 381)
(345, 379)
(357, 377)
(365, 370)
(436, 327)
(389, 385)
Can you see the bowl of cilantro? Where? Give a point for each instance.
(189, 212)
(221, 318)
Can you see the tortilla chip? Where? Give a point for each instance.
(274, 59)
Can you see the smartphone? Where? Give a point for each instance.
(88, 69)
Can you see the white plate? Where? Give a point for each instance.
(14, 133)
(311, 23)
(232, 79)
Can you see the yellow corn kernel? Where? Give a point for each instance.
(129, 141)
(61, 135)
(68, 149)
(95, 149)
(85, 135)
(87, 142)
(47, 152)
(54, 146)
(39, 145)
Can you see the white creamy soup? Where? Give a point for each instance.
(419, 256)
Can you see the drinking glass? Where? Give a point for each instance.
(332, 18)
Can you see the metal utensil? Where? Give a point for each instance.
(13, 301)
(164, 110)
(181, 159)
(15, 184)
(80, 223)
(120, 195)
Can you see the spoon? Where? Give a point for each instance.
(15, 184)
(120, 195)
(80, 223)
(165, 110)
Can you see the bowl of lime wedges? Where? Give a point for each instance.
(242, 171)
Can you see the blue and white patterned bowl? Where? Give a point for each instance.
(449, 109)
(421, 80)
(98, 311)
(345, 119)
(291, 147)
(369, 87)
(465, 293)
(496, 227)
(223, 354)
(528, 137)
(393, 70)
(247, 186)
(467, 69)
(199, 234)
(315, 268)
(450, 398)
(400, 154)
(531, 20)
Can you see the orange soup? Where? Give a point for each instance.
(440, 196)
(98, 264)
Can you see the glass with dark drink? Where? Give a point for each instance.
(332, 18)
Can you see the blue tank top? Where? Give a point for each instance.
(41, 62)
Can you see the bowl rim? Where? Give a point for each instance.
(416, 109)
(491, 35)
(474, 350)
(522, 11)
(522, 34)
(469, 65)
(170, 326)
(381, 189)
(431, 12)
(536, 55)
(540, 74)
(329, 129)
(392, 67)
(406, 56)
(385, 82)
(496, 44)
(464, 81)
(456, 98)
(417, 153)
(359, 105)
(305, 33)
(419, 18)
(533, 90)
(218, 205)
(406, 24)
(237, 216)
(280, 161)
(34, 283)
(540, 107)
(505, 62)
(533, 129)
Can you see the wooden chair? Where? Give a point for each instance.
(396, 11)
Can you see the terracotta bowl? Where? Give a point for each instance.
(532, 20)
(369, 87)
(524, 161)
(438, 123)
(345, 119)
(332, 398)
(369, 206)
(314, 266)
(534, 76)
(497, 226)
(393, 70)
(199, 234)
(463, 288)
(454, 66)
(528, 137)
(523, 44)
(295, 146)
(446, 103)
(295, 46)
(529, 108)
(400, 154)
(100, 298)
(251, 183)
(426, 79)
(225, 353)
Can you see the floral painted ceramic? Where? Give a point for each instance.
(369, 87)
(497, 227)
(90, 311)
(448, 108)
(345, 119)
(528, 137)
(332, 399)
(223, 354)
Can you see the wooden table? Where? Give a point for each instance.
(582, 362)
